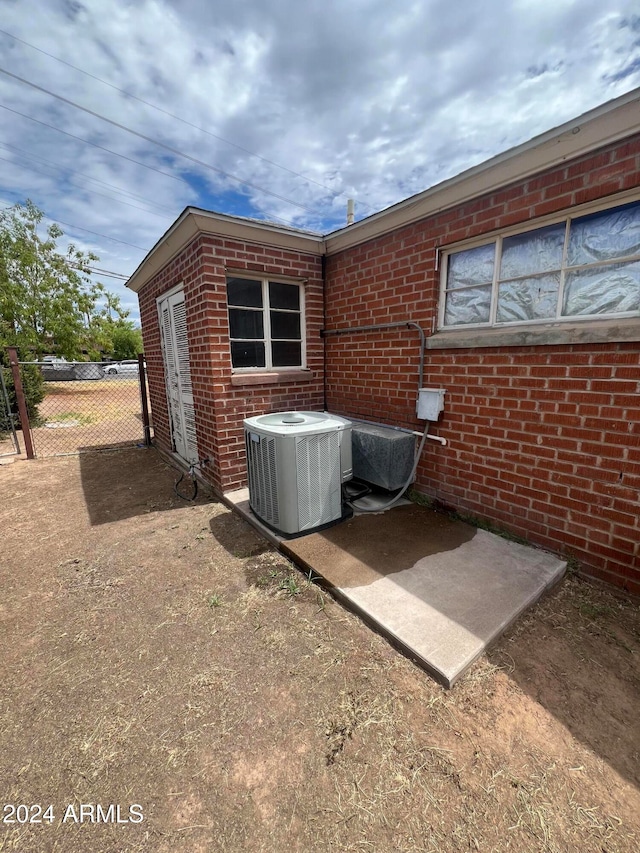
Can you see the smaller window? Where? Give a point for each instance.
(266, 324)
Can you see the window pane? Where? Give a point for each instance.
(245, 292)
(468, 306)
(528, 298)
(603, 290)
(534, 252)
(601, 236)
(247, 354)
(285, 325)
(245, 324)
(284, 295)
(474, 266)
(286, 354)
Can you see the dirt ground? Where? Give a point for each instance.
(158, 656)
(87, 414)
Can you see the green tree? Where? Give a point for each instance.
(33, 389)
(127, 340)
(48, 302)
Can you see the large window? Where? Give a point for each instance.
(583, 267)
(266, 323)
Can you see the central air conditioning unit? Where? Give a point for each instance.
(296, 464)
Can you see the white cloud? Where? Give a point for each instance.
(365, 99)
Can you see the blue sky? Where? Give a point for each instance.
(281, 110)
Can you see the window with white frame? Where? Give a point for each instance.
(266, 323)
(582, 267)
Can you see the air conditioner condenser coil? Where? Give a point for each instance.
(296, 465)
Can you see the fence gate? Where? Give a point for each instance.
(9, 445)
(89, 406)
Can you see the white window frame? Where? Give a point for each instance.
(497, 238)
(248, 275)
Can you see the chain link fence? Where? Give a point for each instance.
(9, 445)
(89, 406)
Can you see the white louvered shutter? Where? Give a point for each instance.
(178, 376)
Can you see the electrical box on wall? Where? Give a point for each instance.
(430, 403)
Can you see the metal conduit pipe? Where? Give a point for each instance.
(442, 441)
(409, 324)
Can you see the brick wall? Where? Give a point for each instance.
(221, 406)
(544, 441)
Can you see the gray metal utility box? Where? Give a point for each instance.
(382, 456)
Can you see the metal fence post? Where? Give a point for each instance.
(22, 404)
(142, 376)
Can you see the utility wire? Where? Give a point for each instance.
(61, 167)
(107, 275)
(152, 141)
(96, 233)
(98, 271)
(333, 193)
(92, 192)
(95, 145)
(108, 272)
(116, 154)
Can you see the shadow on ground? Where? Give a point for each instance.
(578, 655)
(236, 537)
(124, 482)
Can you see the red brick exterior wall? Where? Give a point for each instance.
(543, 440)
(220, 406)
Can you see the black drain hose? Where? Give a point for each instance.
(194, 486)
(194, 481)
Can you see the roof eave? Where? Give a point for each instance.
(193, 221)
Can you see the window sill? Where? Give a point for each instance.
(588, 332)
(272, 378)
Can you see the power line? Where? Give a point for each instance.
(109, 273)
(115, 153)
(101, 272)
(97, 234)
(60, 166)
(92, 192)
(95, 145)
(333, 193)
(79, 228)
(152, 141)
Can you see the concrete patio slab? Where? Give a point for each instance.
(438, 588)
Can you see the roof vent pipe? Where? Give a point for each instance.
(350, 211)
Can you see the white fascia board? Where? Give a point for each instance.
(193, 221)
(602, 126)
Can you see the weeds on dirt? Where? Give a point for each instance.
(280, 577)
(71, 418)
(594, 611)
(289, 585)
